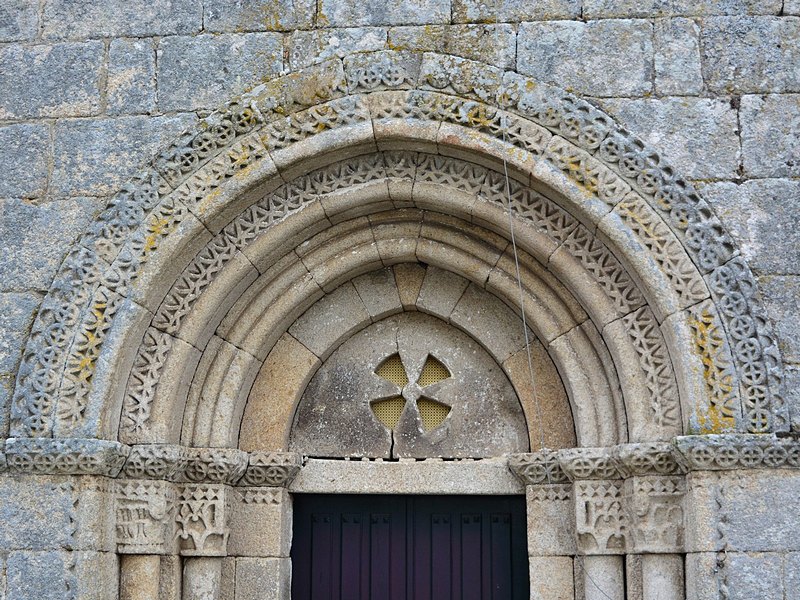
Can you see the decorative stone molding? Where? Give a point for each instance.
(341, 104)
(655, 513)
(590, 463)
(275, 469)
(537, 468)
(731, 452)
(157, 461)
(42, 456)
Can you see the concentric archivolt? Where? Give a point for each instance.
(659, 279)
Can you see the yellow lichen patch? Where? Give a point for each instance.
(709, 345)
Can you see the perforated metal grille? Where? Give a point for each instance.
(388, 411)
(432, 413)
(432, 372)
(392, 370)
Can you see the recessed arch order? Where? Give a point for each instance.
(204, 260)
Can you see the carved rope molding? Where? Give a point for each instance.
(93, 283)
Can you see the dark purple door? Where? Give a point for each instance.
(409, 548)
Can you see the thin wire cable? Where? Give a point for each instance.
(536, 401)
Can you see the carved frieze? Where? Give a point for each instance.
(145, 517)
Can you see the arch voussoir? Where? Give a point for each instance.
(664, 236)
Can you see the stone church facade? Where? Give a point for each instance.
(256, 251)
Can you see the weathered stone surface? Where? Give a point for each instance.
(751, 54)
(352, 13)
(19, 20)
(771, 135)
(35, 238)
(110, 18)
(261, 522)
(23, 160)
(791, 7)
(551, 578)
(756, 508)
(792, 394)
(551, 520)
(378, 292)
(597, 9)
(677, 57)
(263, 578)
(742, 576)
(494, 44)
(109, 150)
(139, 576)
(600, 58)
(56, 575)
(761, 215)
(202, 578)
(131, 83)
(17, 311)
(483, 11)
(489, 476)
(310, 47)
(257, 15)
(62, 80)
(190, 68)
(781, 293)
(697, 136)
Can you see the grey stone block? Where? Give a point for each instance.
(677, 57)
(94, 157)
(310, 47)
(57, 575)
(601, 58)
(791, 7)
(24, 152)
(791, 572)
(16, 317)
(19, 20)
(50, 81)
(761, 214)
(771, 134)
(697, 136)
(755, 575)
(603, 9)
(514, 11)
(751, 54)
(131, 83)
(203, 71)
(782, 300)
(263, 578)
(493, 44)
(258, 15)
(35, 238)
(77, 19)
(791, 381)
(355, 13)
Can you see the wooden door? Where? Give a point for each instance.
(349, 547)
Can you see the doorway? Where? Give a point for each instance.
(370, 547)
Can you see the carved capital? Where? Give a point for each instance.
(202, 519)
(655, 512)
(601, 522)
(145, 517)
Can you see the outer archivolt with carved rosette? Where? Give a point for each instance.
(547, 135)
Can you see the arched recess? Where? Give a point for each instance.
(654, 286)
